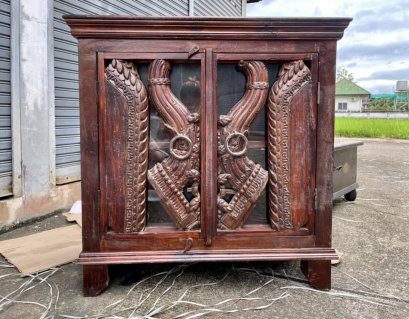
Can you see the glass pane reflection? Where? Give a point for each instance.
(185, 85)
(231, 86)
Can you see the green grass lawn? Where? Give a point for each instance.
(382, 128)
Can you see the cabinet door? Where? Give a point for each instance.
(150, 108)
(246, 144)
(266, 142)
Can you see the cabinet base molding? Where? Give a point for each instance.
(315, 263)
(171, 256)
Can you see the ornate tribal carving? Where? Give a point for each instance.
(124, 76)
(181, 169)
(247, 179)
(293, 76)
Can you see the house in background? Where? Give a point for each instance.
(350, 97)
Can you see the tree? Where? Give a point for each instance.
(344, 74)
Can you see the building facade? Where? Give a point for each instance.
(39, 107)
(350, 97)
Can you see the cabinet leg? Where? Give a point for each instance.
(95, 279)
(318, 273)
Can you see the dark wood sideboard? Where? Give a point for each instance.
(206, 139)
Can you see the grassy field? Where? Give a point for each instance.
(382, 128)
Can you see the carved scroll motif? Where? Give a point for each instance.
(170, 177)
(293, 77)
(124, 76)
(246, 179)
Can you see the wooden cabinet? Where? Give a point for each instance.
(206, 140)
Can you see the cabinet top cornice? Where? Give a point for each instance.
(131, 27)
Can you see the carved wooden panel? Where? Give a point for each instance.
(288, 112)
(171, 177)
(126, 146)
(237, 174)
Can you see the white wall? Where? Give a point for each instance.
(374, 115)
(35, 123)
(354, 103)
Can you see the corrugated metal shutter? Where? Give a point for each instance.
(5, 101)
(66, 70)
(221, 8)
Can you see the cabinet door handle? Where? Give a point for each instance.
(188, 245)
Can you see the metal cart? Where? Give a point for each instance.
(345, 170)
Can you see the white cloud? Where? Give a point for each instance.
(375, 42)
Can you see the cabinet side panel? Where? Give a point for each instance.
(325, 144)
(89, 147)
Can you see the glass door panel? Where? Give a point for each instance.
(266, 143)
(242, 88)
(174, 145)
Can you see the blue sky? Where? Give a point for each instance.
(375, 47)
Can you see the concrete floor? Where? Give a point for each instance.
(372, 280)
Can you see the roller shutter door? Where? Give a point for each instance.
(66, 70)
(221, 8)
(5, 101)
